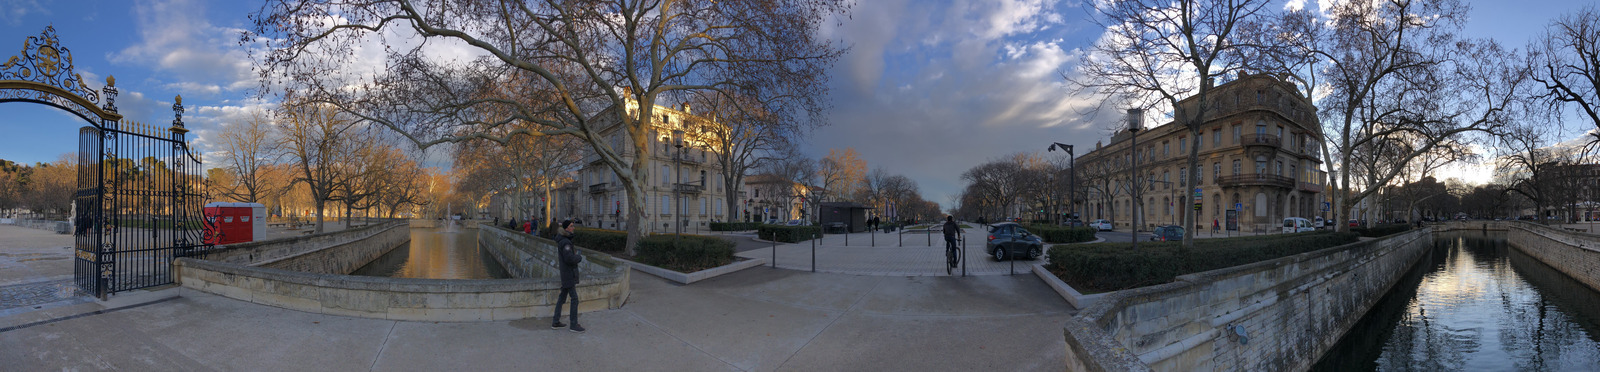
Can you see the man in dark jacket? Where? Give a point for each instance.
(569, 276)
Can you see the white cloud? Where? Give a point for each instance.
(14, 11)
(179, 42)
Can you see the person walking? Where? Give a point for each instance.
(569, 277)
(527, 227)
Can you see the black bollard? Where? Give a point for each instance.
(964, 257)
(874, 237)
(814, 239)
(774, 249)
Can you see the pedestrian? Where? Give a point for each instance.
(527, 227)
(1215, 226)
(569, 277)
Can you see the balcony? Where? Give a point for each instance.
(1261, 139)
(1256, 179)
(687, 159)
(687, 188)
(1310, 187)
(597, 188)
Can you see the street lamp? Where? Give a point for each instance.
(1135, 117)
(1072, 175)
(677, 141)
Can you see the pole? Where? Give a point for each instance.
(1133, 146)
(814, 237)
(774, 238)
(1072, 176)
(964, 256)
(874, 233)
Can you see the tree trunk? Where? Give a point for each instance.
(320, 204)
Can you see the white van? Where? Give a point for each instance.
(1296, 224)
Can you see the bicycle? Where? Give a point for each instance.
(952, 256)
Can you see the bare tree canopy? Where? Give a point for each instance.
(555, 64)
(1569, 64)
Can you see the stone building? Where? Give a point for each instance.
(683, 184)
(1259, 153)
(774, 198)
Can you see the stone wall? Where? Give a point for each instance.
(259, 252)
(1573, 253)
(345, 258)
(1278, 315)
(530, 256)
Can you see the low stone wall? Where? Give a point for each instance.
(1573, 253)
(266, 251)
(1471, 225)
(533, 292)
(449, 300)
(1278, 315)
(345, 258)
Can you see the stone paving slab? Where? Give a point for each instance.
(753, 320)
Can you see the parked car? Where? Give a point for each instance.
(1167, 233)
(774, 221)
(1353, 223)
(1009, 240)
(795, 223)
(1296, 224)
(1072, 223)
(1319, 222)
(1102, 225)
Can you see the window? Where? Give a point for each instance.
(1216, 169)
(1183, 145)
(1236, 134)
(666, 204)
(1166, 149)
(1292, 172)
(1280, 131)
(666, 176)
(1235, 167)
(1183, 176)
(1151, 177)
(1279, 170)
(1166, 182)
(1216, 138)
(702, 206)
(1199, 141)
(1261, 127)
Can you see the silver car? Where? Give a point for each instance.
(1102, 225)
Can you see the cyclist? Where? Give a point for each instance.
(952, 231)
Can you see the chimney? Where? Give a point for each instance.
(686, 108)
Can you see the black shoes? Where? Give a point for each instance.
(576, 328)
(557, 325)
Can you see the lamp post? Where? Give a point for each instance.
(1072, 175)
(677, 141)
(1134, 118)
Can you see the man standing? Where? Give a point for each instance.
(569, 277)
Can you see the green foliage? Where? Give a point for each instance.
(609, 241)
(1062, 234)
(1104, 267)
(684, 253)
(788, 234)
(734, 226)
(1382, 230)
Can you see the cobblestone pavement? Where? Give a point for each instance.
(912, 253)
(24, 295)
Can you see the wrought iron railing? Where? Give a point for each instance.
(1256, 179)
(1260, 139)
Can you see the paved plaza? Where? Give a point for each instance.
(907, 253)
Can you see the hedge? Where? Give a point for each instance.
(734, 226)
(1382, 230)
(1102, 267)
(1062, 234)
(609, 241)
(684, 253)
(788, 234)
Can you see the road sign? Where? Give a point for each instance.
(1238, 206)
(1326, 206)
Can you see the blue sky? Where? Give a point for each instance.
(929, 89)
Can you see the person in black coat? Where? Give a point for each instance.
(569, 276)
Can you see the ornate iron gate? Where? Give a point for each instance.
(140, 187)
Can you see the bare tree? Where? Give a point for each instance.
(573, 55)
(1569, 62)
(321, 144)
(742, 137)
(1159, 53)
(1400, 83)
(840, 173)
(249, 150)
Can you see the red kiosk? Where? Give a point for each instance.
(230, 223)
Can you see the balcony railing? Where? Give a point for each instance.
(1310, 187)
(1256, 179)
(1260, 139)
(687, 188)
(597, 188)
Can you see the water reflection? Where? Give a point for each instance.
(1473, 303)
(437, 254)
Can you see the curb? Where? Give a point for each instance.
(682, 278)
(1078, 300)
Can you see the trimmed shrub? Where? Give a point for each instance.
(734, 226)
(1102, 267)
(1382, 230)
(788, 234)
(609, 241)
(684, 253)
(1062, 234)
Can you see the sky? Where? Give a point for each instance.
(929, 88)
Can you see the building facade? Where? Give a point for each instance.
(1259, 151)
(772, 198)
(683, 185)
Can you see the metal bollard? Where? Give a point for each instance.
(874, 237)
(964, 257)
(814, 238)
(774, 249)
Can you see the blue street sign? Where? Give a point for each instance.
(1326, 206)
(1238, 206)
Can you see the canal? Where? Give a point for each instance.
(437, 253)
(1475, 303)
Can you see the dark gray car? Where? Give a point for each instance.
(1009, 240)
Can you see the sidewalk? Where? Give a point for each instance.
(901, 253)
(754, 320)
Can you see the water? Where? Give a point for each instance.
(1474, 303)
(439, 253)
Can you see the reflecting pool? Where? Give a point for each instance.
(437, 253)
